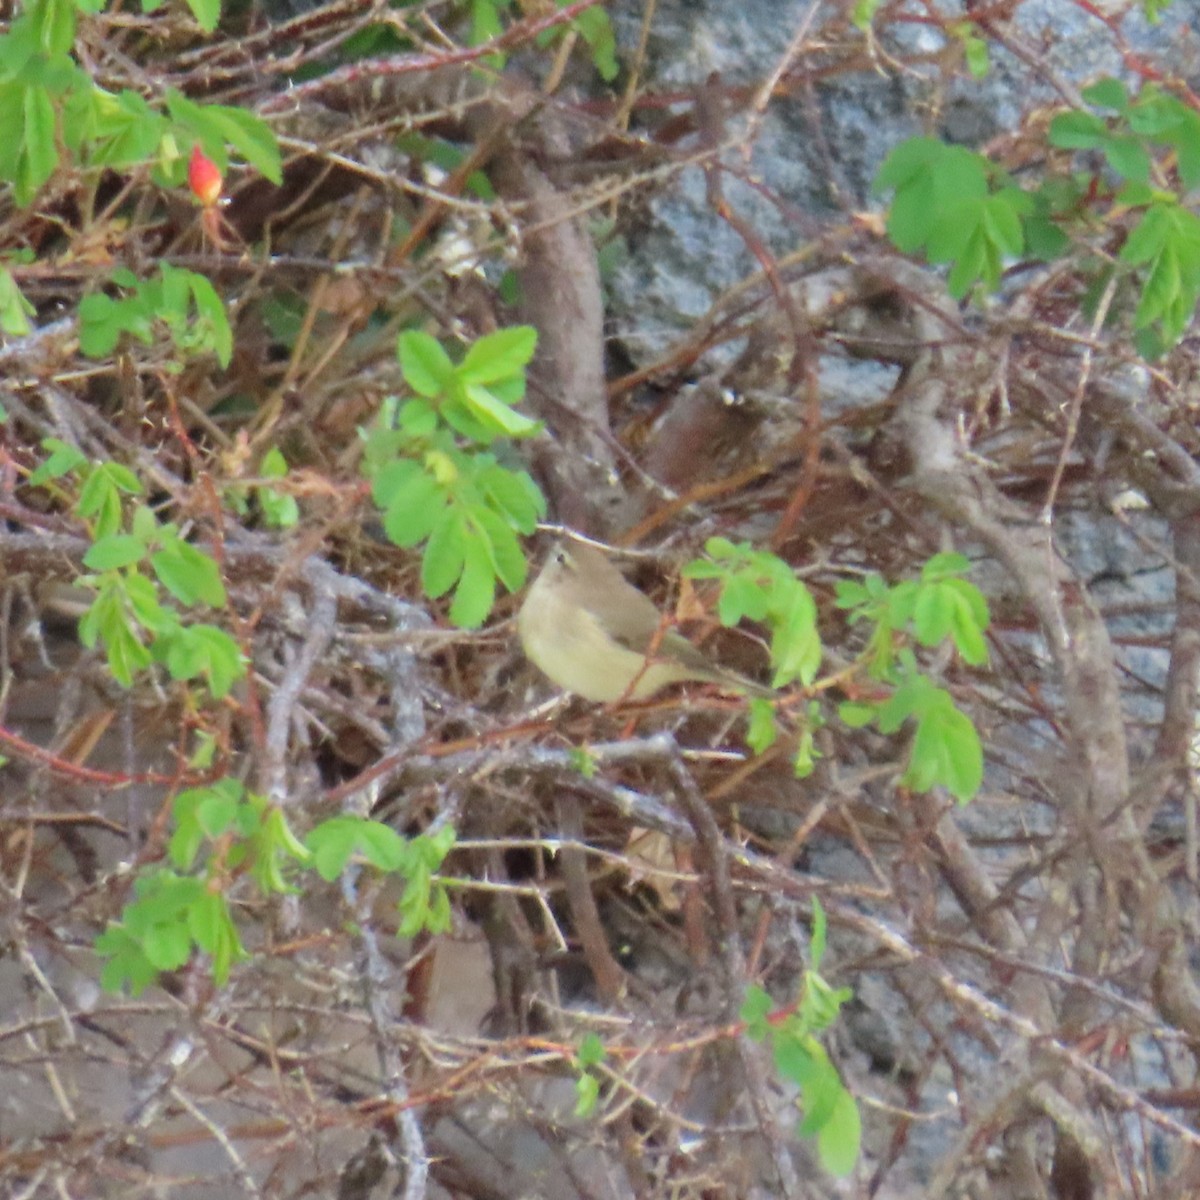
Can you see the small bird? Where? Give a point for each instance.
(590, 630)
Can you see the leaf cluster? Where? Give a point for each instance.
(439, 482)
(1148, 141)
(956, 206)
(830, 1112)
(49, 104)
(592, 25)
(179, 910)
(587, 1082)
(181, 302)
(128, 616)
(940, 606)
(759, 586)
(959, 208)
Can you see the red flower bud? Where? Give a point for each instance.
(203, 177)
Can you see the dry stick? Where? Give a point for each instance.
(788, 885)
(610, 978)
(1177, 731)
(1083, 656)
(412, 64)
(322, 622)
(377, 976)
(1085, 371)
(625, 108)
(762, 98)
(708, 835)
(273, 406)
(244, 1178)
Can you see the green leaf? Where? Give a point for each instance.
(127, 963)
(820, 925)
(597, 31)
(587, 1094)
(113, 552)
(15, 310)
(1168, 238)
(863, 13)
(513, 494)
(1107, 93)
(198, 121)
(334, 843)
(762, 725)
(217, 810)
(934, 614)
(946, 751)
(190, 575)
(1044, 240)
(498, 356)
(476, 591)
(167, 945)
(226, 662)
(969, 622)
(103, 320)
(1001, 217)
(945, 565)
(591, 1051)
(212, 928)
(206, 12)
(393, 477)
(850, 594)
(280, 509)
(901, 601)
(248, 134)
(426, 367)
(1149, 236)
(442, 562)
(796, 643)
(978, 261)
(142, 598)
(742, 595)
(216, 125)
(839, 1139)
(485, 20)
(976, 53)
(929, 178)
(382, 846)
(414, 905)
(29, 159)
(507, 558)
(414, 502)
(857, 715)
(495, 415)
(195, 651)
(273, 464)
(754, 1012)
(800, 1058)
(275, 849)
(1077, 131)
(53, 22)
(103, 129)
(212, 323)
(63, 460)
(100, 496)
(418, 419)
(1128, 157)
(190, 830)
(822, 1003)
